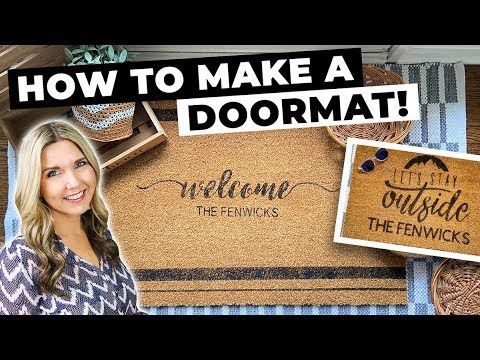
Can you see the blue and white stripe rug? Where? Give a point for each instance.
(443, 126)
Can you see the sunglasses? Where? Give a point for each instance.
(369, 164)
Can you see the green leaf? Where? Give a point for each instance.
(75, 59)
(99, 54)
(111, 52)
(78, 51)
(123, 56)
(68, 54)
(88, 56)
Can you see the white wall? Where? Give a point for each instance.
(468, 54)
(370, 53)
(405, 54)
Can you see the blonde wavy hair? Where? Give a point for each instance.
(37, 226)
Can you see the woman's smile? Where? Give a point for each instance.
(77, 197)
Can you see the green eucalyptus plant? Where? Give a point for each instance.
(97, 54)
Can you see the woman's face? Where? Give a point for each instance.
(68, 180)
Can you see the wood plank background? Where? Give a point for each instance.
(472, 73)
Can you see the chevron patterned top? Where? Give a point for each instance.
(91, 290)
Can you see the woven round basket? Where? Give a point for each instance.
(389, 131)
(455, 288)
(105, 122)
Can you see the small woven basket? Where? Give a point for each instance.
(388, 131)
(455, 288)
(105, 122)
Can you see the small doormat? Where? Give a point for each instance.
(243, 219)
(403, 198)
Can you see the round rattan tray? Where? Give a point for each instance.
(390, 131)
(455, 288)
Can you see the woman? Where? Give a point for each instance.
(65, 261)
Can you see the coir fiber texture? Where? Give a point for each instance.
(245, 218)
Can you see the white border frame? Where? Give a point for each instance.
(345, 190)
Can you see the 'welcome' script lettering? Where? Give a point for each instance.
(224, 187)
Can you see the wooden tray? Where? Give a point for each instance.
(147, 133)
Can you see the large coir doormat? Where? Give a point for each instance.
(243, 218)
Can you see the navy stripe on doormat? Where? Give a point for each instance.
(270, 273)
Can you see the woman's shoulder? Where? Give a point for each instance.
(18, 251)
(19, 291)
